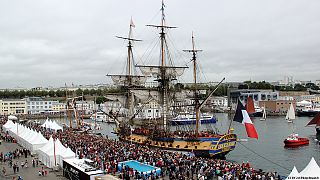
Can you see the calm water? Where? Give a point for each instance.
(269, 145)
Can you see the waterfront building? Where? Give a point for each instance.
(13, 106)
(277, 106)
(38, 105)
(152, 109)
(111, 105)
(256, 94)
(87, 107)
(219, 101)
(311, 98)
(58, 106)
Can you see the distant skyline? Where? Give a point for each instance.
(50, 43)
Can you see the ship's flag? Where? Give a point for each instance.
(250, 106)
(242, 116)
(131, 23)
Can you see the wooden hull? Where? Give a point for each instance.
(217, 146)
(296, 143)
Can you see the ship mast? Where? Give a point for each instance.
(164, 79)
(194, 52)
(165, 72)
(129, 80)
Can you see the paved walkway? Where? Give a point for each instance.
(29, 173)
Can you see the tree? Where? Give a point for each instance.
(86, 92)
(60, 93)
(51, 93)
(79, 92)
(312, 86)
(299, 87)
(101, 99)
(92, 92)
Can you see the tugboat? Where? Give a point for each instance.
(293, 140)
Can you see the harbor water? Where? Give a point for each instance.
(268, 152)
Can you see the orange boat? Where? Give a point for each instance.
(293, 140)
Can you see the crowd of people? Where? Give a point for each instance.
(107, 153)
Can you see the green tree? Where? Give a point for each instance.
(79, 92)
(51, 93)
(60, 93)
(101, 99)
(86, 92)
(299, 87)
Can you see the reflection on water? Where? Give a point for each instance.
(270, 144)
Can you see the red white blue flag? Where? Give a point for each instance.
(243, 117)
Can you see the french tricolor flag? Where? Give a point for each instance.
(242, 116)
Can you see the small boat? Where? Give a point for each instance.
(293, 140)
(264, 115)
(191, 119)
(290, 114)
(316, 121)
(99, 117)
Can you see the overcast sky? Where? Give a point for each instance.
(53, 42)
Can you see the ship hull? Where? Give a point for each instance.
(307, 113)
(256, 114)
(214, 147)
(296, 143)
(193, 121)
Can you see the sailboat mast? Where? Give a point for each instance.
(162, 36)
(164, 82)
(129, 74)
(196, 96)
(129, 53)
(165, 74)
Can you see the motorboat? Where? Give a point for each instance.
(293, 140)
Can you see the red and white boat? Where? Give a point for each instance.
(293, 140)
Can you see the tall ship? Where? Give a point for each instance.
(159, 132)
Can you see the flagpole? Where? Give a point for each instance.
(54, 152)
(230, 121)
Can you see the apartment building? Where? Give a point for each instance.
(13, 106)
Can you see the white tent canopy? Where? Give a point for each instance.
(9, 125)
(311, 170)
(294, 173)
(12, 117)
(26, 137)
(53, 153)
(51, 125)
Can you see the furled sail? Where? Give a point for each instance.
(145, 95)
(128, 79)
(155, 71)
(117, 97)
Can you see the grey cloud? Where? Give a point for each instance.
(46, 43)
